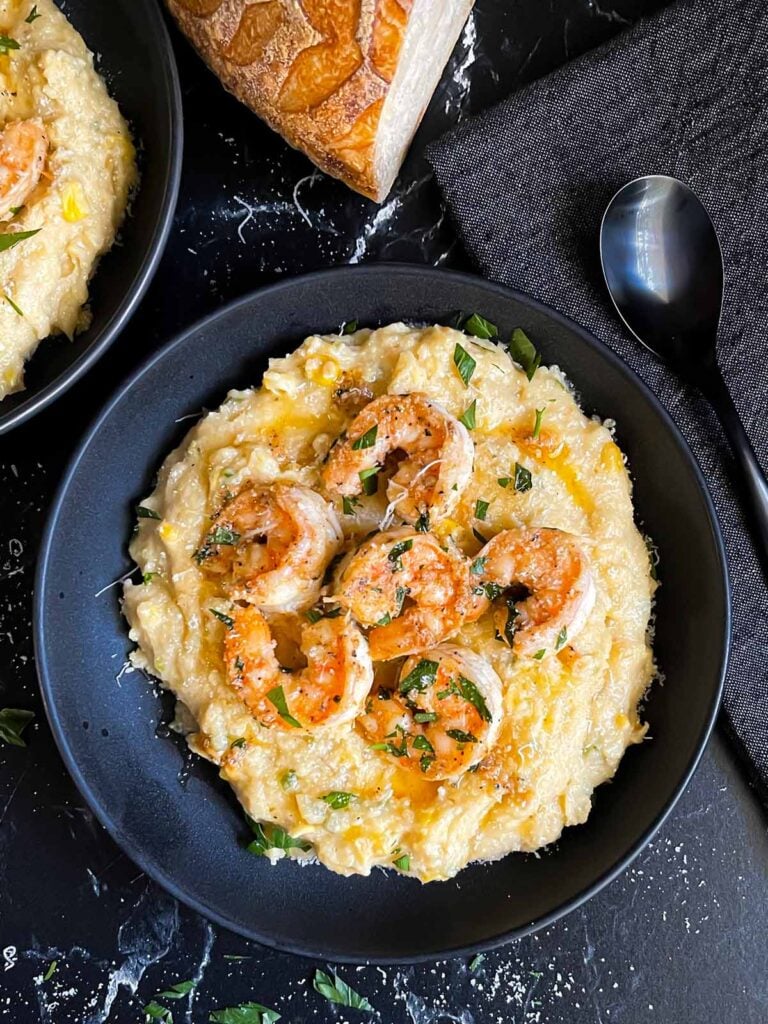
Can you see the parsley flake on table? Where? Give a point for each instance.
(177, 991)
(13, 722)
(335, 990)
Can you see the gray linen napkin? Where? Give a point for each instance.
(683, 93)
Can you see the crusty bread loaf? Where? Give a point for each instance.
(346, 81)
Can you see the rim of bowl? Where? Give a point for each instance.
(133, 296)
(165, 881)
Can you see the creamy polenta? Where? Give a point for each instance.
(67, 165)
(555, 720)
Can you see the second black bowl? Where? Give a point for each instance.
(135, 57)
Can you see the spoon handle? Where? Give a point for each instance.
(756, 484)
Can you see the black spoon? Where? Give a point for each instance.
(664, 269)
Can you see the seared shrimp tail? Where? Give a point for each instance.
(552, 571)
(271, 544)
(437, 460)
(444, 716)
(411, 592)
(331, 690)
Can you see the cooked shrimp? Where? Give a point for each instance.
(410, 590)
(437, 463)
(444, 716)
(558, 591)
(23, 149)
(330, 690)
(273, 543)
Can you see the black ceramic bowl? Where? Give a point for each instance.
(186, 835)
(135, 57)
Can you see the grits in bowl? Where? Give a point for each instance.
(400, 596)
(67, 166)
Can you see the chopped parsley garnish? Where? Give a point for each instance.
(369, 480)
(476, 962)
(481, 508)
(13, 722)
(6, 44)
(51, 970)
(460, 736)
(562, 638)
(420, 677)
(276, 696)
(238, 744)
(537, 424)
(223, 535)
(464, 363)
(337, 799)
(492, 590)
(147, 577)
(143, 512)
(540, 654)
(348, 506)
(504, 481)
(337, 991)
(16, 309)
(228, 621)
(11, 238)
(33, 15)
(509, 625)
(245, 1013)
(469, 416)
(477, 568)
(323, 611)
(422, 743)
(366, 440)
(348, 327)
(523, 478)
(385, 620)
(177, 991)
(272, 837)
(289, 781)
(465, 688)
(479, 536)
(403, 862)
(523, 351)
(396, 553)
(391, 748)
(480, 327)
(154, 1011)
(471, 693)
(422, 523)
(425, 716)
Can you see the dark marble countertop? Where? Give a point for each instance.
(679, 938)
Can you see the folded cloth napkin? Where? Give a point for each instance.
(683, 93)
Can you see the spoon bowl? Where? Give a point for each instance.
(663, 266)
